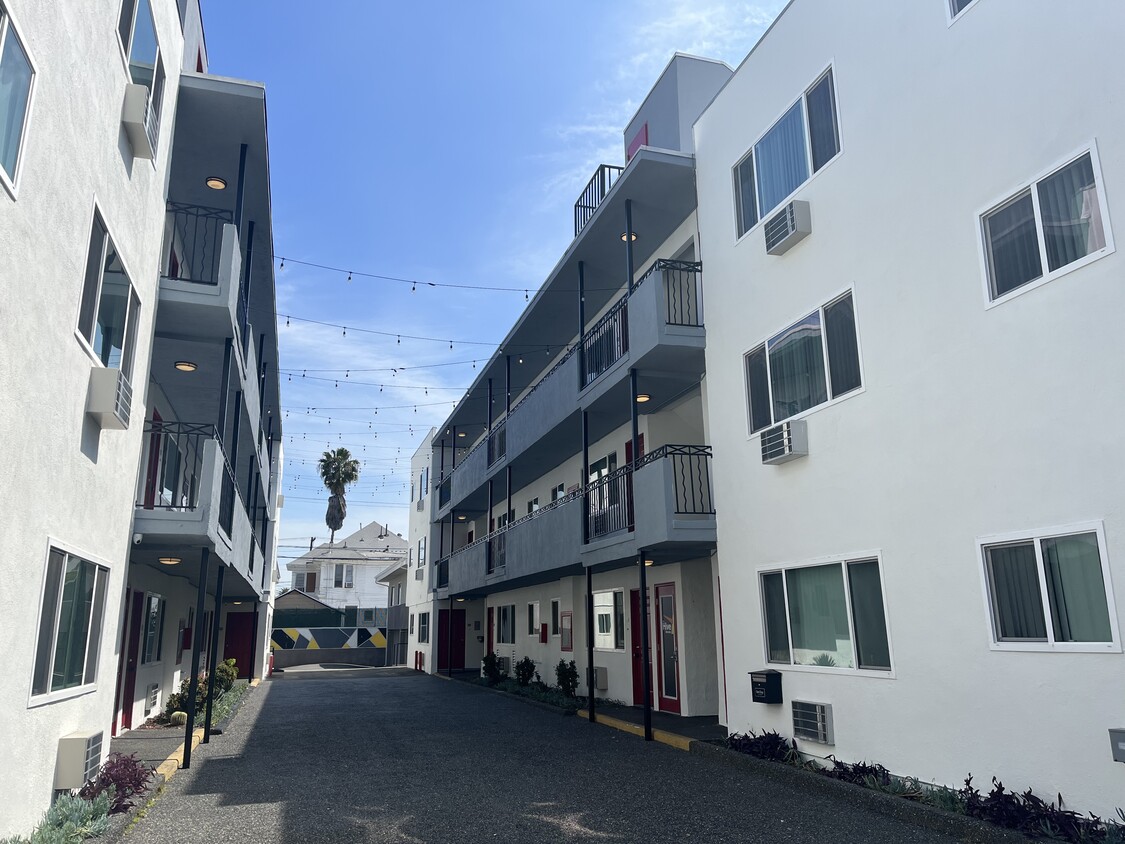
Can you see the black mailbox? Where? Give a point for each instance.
(766, 686)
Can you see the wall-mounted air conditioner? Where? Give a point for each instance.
(110, 397)
(504, 663)
(152, 698)
(601, 678)
(813, 721)
(139, 121)
(785, 442)
(80, 757)
(788, 227)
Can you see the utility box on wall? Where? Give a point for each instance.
(765, 686)
(1117, 744)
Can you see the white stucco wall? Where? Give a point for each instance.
(973, 420)
(65, 480)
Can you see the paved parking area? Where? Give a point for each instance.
(391, 756)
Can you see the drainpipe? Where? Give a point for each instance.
(214, 652)
(645, 647)
(449, 641)
(581, 324)
(196, 647)
(590, 643)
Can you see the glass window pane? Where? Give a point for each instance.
(871, 646)
(142, 55)
(797, 376)
(758, 387)
(1017, 604)
(125, 22)
(1075, 589)
(747, 201)
(603, 614)
(824, 133)
(777, 628)
(92, 279)
(15, 90)
(1013, 245)
(74, 624)
(96, 627)
(619, 620)
(48, 615)
(1072, 215)
(843, 349)
(783, 162)
(959, 5)
(818, 617)
(113, 311)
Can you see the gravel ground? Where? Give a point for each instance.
(394, 757)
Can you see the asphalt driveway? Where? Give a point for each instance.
(391, 756)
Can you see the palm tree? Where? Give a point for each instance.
(339, 470)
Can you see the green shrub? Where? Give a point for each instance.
(225, 675)
(71, 820)
(491, 667)
(566, 677)
(525, 670)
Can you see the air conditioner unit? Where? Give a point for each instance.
(421, 505)
(419, 573)
(813, 721)
(601, 678)
(80, 757)
(139, 121)
(788, 227)
(785, 442)
(152, 698)
(110, 398)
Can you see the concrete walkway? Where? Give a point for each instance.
(385, 755)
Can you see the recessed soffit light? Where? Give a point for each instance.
(185, 366)
(643, 397)
(216, 183)
(170, 561)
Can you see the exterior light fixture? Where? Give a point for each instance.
(648, 562)
(216, 183)
(643, 397)
(629, 236)
(460, 434)
(460, 600)
(185, 366)
(460, 518)
(236, 603)
(170, 561)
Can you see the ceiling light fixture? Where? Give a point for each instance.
(643, 397)
(460, 600)
(625, 236)
(170, 561)
(460, 434)
(648, 562)
(460, 518)
(236, 603)
(185, 366)
(216, 183)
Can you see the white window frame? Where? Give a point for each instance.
(125, 53)
(159, 643)
(841, 560)
(1035, 537)
(558, 491)
(831, 66)
(1031, 185)
(951, 16)
(533, 619)
(532, 505)
(8, 25)
(860, 390)
(510, 611)
(422, 551)
(77, 691)
(556, 618)
(412, 624)
(423, 617)
(612, 622)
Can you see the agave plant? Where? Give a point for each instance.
(339, 470)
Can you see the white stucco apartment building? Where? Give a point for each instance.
(418, 583)
(914, 401)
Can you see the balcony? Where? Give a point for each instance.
(497, 444)
(188, 497)
(606, 343)
(596, 190)
(397, 617)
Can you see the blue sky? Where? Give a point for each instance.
(436, 141)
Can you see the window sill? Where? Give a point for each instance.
(835, 672)
(57, 697)
(858, 391)
(990, 303)
(1058, 647)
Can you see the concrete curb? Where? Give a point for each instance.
(549, 707)
(961, 827)
(663, 736)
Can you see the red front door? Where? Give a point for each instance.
(238, 643)
(489, 630)
(667, 649)
(458, 640)
(132, 653)
(635, 625)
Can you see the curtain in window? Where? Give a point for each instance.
(777, 631)
(824, 134)
(797, 376)
(872, 649)
(1072, 218)
(1017, 602)
(15, 89)
(758, 386)
(1075, 589)
(782, 159)
(1013, 245)
(747, 201)
(818, 616)
(843, 350)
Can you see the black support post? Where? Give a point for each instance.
(449, 641)
(214, 655)
(629, 243)
(633, 414)
(581, 325)
(590, 644)
(508, 481)
(221, 422)
(507, 384)
(646, 656)
(196, 647)
(240, 196)
(489, 412)
(585, 479)
(453, 467)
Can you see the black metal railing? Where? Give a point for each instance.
(605, 343)
(683, 290)
(604, 178)
(497, 551)
(174, 462)
(441, 579)
(193, 242)
(497, 443)
(444, 490)
(609, 503)
(691, 476)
